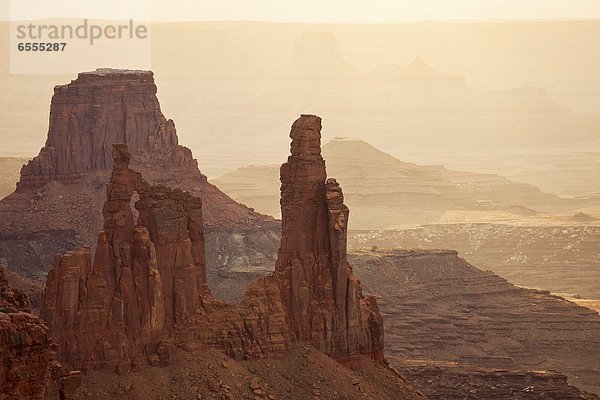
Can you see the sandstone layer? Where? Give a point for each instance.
(455, 382)
(145, 292)
(28, 366)
(58, 202)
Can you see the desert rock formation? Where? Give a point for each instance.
(323, 298)
(146, 289)
(146, 292)
(58, 202)
(28, 366)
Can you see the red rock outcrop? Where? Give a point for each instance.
(58, 202)
(323, 299)
(146, 291)
(28, 366)
(146, 281)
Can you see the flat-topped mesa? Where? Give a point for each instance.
(323, 299)
(67, 179)
(145, 284)
(94, 111)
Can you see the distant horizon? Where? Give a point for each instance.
(250, 21)
(309, 11)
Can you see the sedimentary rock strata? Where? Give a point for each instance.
(28, 366)
(440, 309)
(58, 202)
(562, 259)
(146, 292)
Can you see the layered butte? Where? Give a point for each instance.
(58, 202)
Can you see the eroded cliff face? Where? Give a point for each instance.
(146, 291)
(324, 300)
(28, 366)
(59, 199)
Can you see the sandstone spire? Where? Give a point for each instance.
(146, 280)
(324, 300)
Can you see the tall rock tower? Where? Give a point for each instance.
(323, 299)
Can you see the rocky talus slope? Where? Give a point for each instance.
(301, 372)
(145, 293)
(28, 366)
(58, 202)
(443, 313)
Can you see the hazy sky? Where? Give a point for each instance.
(304, 10)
